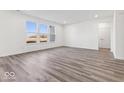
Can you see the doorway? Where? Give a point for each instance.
(104, 36)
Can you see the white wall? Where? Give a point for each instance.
(13, 34)
(119, 36)
(82, 35)
(113, 35)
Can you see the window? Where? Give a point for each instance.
(52, 33)
(31, 29)
(43, 33)
(43, 28)
(36, 32)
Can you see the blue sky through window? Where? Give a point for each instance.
(43, 28)
(31, 27)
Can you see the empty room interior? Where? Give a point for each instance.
(61, 46)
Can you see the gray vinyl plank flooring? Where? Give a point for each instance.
(62, 64)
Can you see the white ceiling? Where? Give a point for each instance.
(69, 16)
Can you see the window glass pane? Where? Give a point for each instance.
(43, 28)
(52, 33)
(52, 29)
(31, 27)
